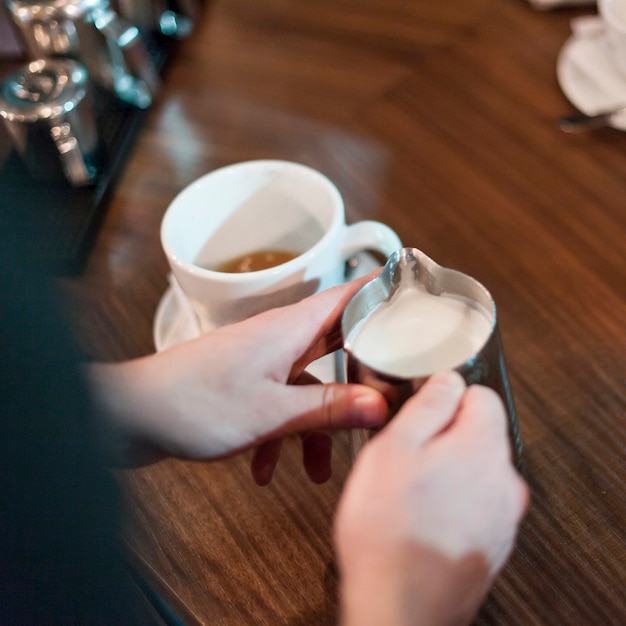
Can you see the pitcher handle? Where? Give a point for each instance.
(142, 81)
(77, 171)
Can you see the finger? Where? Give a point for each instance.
(264, 461)
(317, 449)
(482, 416)
(330, 407)
(430, 410)
(482, 423)
(300, 342)
(523, 493)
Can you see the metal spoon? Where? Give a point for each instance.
(581, 121)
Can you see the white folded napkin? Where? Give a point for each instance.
(591, 57)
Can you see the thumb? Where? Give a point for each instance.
(430, 410)
(331, 407)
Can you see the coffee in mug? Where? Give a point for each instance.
(255, 261)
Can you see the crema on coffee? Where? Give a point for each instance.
(417, 333)
(255, 261)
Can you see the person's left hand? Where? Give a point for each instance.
(242, 386)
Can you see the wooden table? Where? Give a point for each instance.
(440, 120)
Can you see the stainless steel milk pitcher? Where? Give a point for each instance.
(172, 18)
(486, 367)
(91, 32)
(48, 111)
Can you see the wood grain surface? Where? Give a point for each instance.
(440, 120)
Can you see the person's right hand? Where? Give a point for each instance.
(430, 512)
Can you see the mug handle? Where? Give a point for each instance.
(76, 170)
(370, 235)
(126, 38)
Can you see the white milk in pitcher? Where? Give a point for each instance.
(417, 333)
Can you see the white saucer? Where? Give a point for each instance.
(586, 74)
(172, 325)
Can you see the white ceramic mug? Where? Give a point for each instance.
(613, 14)
(262, 205)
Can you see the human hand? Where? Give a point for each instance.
(242, 386)
(430, 511)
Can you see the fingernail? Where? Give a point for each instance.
(449, 382)
(370, 409)
(263, 475)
